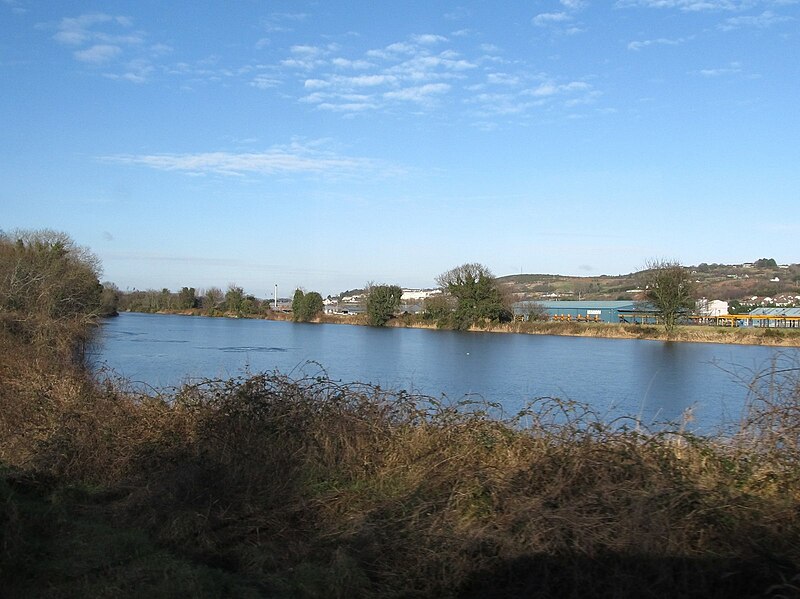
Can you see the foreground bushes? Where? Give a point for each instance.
(312, 488)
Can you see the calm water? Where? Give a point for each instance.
(654, 379)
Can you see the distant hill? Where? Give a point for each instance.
(763, 278)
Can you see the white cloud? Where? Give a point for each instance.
(501, 104)
(264, 82)
(101, 39)
(411, 71)
(689, 5)
(762, 21)
(421, 93)
(548, 18)
(428, 39)
(306, 50)
(502, 79)
(731, 69)
(98, 53)
(76, 31)
(549, 88)
(315, 83)
(293, 159)
(662, 41)
(348, 107)
(344, 63)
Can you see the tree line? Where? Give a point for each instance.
(471, 296)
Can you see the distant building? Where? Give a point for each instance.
(775, 317)
(415, 295)
(593, 311)
(711, 308)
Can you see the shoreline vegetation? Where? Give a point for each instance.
(681, 333)
(281, 487)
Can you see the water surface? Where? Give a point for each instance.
(656, 380)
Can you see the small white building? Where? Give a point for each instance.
(415, 295)
(711, 308)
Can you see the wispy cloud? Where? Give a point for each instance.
(97, 54)
(545, 94)
(762, 21)
(281, 22)
(15, 6)
(687, 5)
(427, 71)
(701, 5)
(732, 69)
(111, 42)
(548, 18)
(416, 69)
(662, 41)
(295, 159)
(562, 21)
(421, 94)
(76, 31)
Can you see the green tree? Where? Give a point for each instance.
(212, 298)
(438, 307)
(382, 302)
(306, 306)
(668, 286)
(766, 263)
(477, 294)
(187, 298)
(234, 299)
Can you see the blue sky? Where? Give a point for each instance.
(327, 144)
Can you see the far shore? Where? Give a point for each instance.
(777, 337)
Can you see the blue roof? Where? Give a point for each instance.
(580, 305)
(775, 312)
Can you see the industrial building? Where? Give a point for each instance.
(588, 311)
(785, 318)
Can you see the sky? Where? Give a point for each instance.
(325, 145)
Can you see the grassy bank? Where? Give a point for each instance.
(277, 487)
(691, 334)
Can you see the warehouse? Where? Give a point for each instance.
(583, 311)
(788, 318)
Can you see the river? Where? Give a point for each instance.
(654, 380)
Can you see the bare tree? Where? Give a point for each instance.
(668, 286)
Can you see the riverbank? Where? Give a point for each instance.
(685, 333)
(307, 487)
(278, 487)
(775, 337)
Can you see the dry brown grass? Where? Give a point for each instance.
(318, 489)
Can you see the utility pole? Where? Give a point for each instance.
(276, 297)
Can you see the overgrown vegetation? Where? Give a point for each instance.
(478, 297)
(306, 306)
(382, 303)
(311, 488)
(306, 487)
